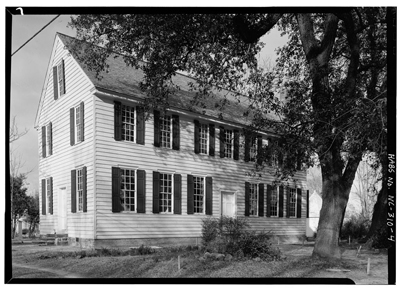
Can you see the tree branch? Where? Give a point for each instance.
(250, 33)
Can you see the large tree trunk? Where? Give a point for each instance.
(380, 208)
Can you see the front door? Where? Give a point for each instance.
(62, 211)
(228, 204)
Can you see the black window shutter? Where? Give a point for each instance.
(247, 139)
(84, 187)
(44, 196)
(247, 199)
(141, 191)
(287, 202)
(72, 126)
(63, 78)
(51, 196)
(73, 190)
(196, 137)
(212, 140)
(140, 125)
(177, 194)
(82, 120)
(115, 189)
(280, 201)
(50, 139)
(261, 199)
(236, 145)
(209, 195)
(221, 142)
(156, 191)
(175, 132)
(55, 83)
(44, 141)
(156, 129)
(308, 204)
(298, 203)
(269, 192)
(190, 189)
(117, 121)
(259, 150)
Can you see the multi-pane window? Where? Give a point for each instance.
(292, 202)
(127, 192)
(48, 191)
(253, 148)
(128, 123)
(60, 76)
(253, 199)
(79, 189)
(198, 194)
(228, 149)
(203, 138)
(165, 131)
(78, 135)
(165, 199)
(274, 202)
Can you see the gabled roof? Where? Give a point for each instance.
(125, 80)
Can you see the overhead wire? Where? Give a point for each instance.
(35, 34)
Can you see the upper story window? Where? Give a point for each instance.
(77, 124)
(228, 148)
(253, 148)
(59, 80)
(204, 138)
(292, 202)
(165, 131)
(128, 123)
(47, 140)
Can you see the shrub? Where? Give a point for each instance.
(380, 239)
(231, 235)
(356, 227)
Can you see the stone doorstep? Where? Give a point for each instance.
(152, 247)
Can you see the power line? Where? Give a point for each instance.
(35, 34)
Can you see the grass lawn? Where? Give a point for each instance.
(33, 261)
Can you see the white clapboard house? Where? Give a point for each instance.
(110, 177)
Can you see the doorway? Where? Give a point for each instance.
(62, 211)
(228, 203)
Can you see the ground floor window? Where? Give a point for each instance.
(165, 199)
(253, 199)
(292, 202)
(128, 189)
(274, 202)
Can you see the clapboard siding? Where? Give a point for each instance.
(227, 174)
(66, 157)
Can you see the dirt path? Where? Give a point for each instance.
(40, 272)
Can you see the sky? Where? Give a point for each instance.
(28, 71)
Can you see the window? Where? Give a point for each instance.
(127, 193)
(47, 195)
(77, 124)
(198, 194)
(253, 148)
(61, 82)
(48, 191)
(128, 123)
(274, 202)
(228, 144)
(253, 199)
(165, 130)
(165, 197)
(292, 202)
(79, 189)
(47, 140)
(203, 138)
